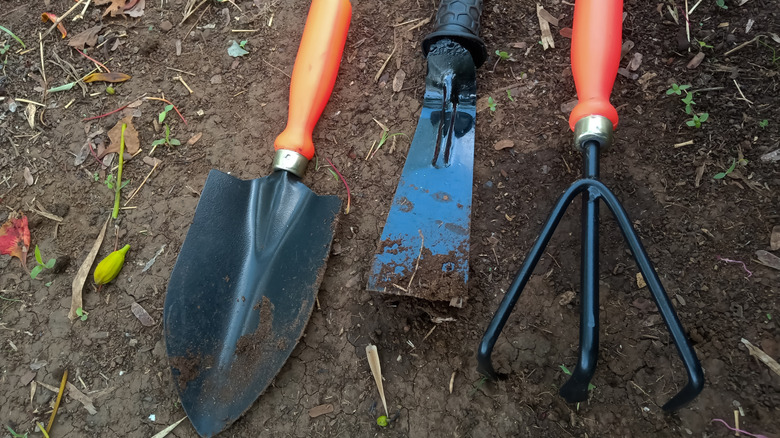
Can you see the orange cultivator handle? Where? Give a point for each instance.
(314, 73)
(595, 56)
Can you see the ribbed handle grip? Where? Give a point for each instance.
(458, 20)
(595, 56)
(314, 73)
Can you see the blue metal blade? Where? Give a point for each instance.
(424, 249)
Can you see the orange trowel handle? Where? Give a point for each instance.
(595, 56)
(314, 73)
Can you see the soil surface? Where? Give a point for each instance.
(662, 170)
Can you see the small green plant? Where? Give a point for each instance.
(40, 265)
(769, 316)
(242, 44)
(110, 181)
(504, 56)
(509, 95)
(721, 4)
(689, 103)
(775, 58)
(82, 314)
(4, 48)
(731, 168)
(763, 124)
(704, 45)
(566, 371)
(677, 89)
(697, 120)
(491, 104)
(164, 113)
(167, 140)
(14, 434)
(382, 421)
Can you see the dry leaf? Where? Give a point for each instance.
(519, 45)
(398, 80)
(48, 16)
(142, 315)
(763, 357)
(566, 32)
(135, 10)
(768, 259)
(15, 237)
(107, 77)
(87, 38)
(548, 17)
(28, 178)
(131, 138)
(83, 273)
(320, 410)
(503, 144)
(635, 62)
(696, 60)
(640, 281)
(547, 38)
(114, 6)
(30, 113)
(376, 370)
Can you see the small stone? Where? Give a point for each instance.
(216, 79)
(774, 241)
(566, 297)
(503, 144)
(680, 299)
(166, 25)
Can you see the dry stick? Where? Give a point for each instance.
(157, 163)
(59, 399)
(93, 60)
(419, 255)
(740, 92)
(742, 45)
(83, 11)
(196, 22)
(687, 23)
(191, 10)
(61, 17)
(277, 68)
(169, 103)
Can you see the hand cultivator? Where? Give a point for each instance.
(595, 53)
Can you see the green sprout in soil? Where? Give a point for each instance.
(382, 420)
(40, 265)
(689, 103)
(677, 89)
(775, 58)
(164, 113)
(18, 40)
(509, 93)
(478, 385)
(82, 314)
(14, 434)
(697, 120)
(704, 45)
(769, 316)
(763, 124)
(110, 181)
(167, 140)
(504, 56)
(721, 4)
(566, 371)
(722, 175)
(491, 104)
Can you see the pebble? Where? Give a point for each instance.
(216, 79)
(166, 25)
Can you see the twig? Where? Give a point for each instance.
(93, 60)
(59, 399)
(277, 68)
(156, 163)
(61, 17)
(687, 24)
(83, 11)
(189, 10)
(349, 194)
(741, 94)
(43, 69)
(742, 45)
(387, 61)
(685, 143)
(111, 112)
(169, 103)
(196, 22)
(417, 265)
(18, 99)
(181, 79)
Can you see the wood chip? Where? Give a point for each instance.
(28, 178)
(696, 60)
(142, 315)
(768, 259)
(452, 381)
(82, 398)
(568, 106)
(636, 61)
(503, 144)
(771, 156)
(27, 378)
(774, 240)
(547, 38)
(194, 139)
(83, 273)
(548, 17)
(640, 280)
(519, 45)
(763, 357)
(627, 46)
(320, 410)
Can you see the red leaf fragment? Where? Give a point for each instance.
(48, 16)
(15, 237)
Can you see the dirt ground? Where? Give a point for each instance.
(688, 220)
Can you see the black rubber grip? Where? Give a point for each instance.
(458, 20)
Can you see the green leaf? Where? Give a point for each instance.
(174, 142)
(19, 40)
(591, 387)
(764, 123)
(79, 311)
(733, 165)
(84, 317)
(243, 43)
(161, 117)
(691, 123)
(235, 50)
(35, 271)
(15, 435)
(703, 117)
(565, 370)
(38, 257)
(720, 175)
(671, 91)
(158, 142)
(684, 87)
(4, 49)
(65, 87)
(50, 263)
(48, 284)
(688, 99)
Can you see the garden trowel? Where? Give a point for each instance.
(424, 248)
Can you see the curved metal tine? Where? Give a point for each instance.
(664, 304)
(484, 363)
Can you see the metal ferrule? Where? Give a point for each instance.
(291, 161)
(593, 128)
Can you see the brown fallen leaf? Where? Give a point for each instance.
(81, 276)
(106, 77)
(194, 139)
(48, 16)
(320, 410)
(114, 6)
(87, 38)
(566, 32)
(548, 16)
(544, 25)
(696, 60)
(503, 144)
(131, 138)
(135, 8)
(636, 61)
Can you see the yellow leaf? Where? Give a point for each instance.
(106, 77)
